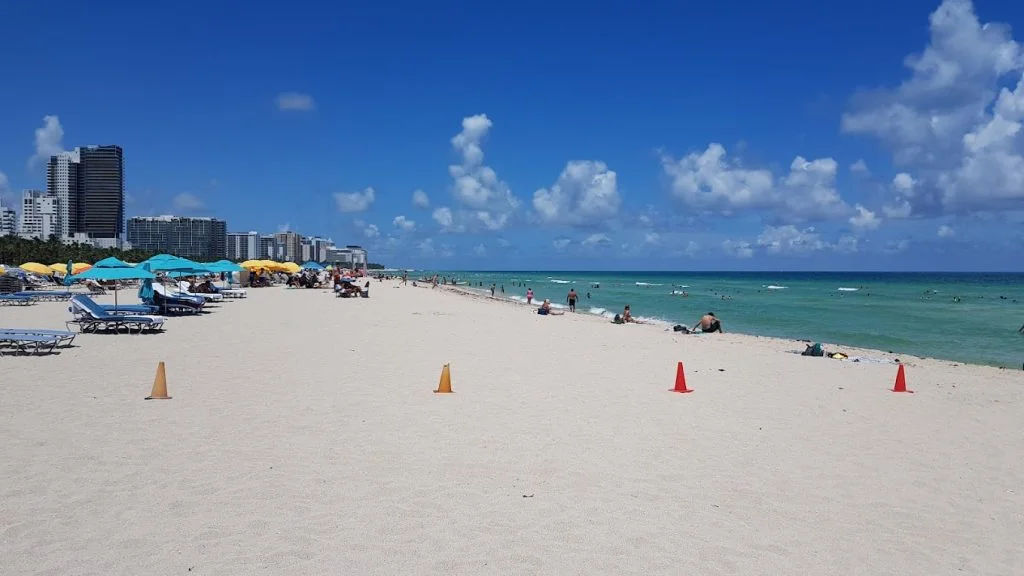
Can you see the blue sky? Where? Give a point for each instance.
(661, 135)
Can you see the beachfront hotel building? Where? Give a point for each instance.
(289, 246)
(40, 213)
(8, 221)
(62, 182)
(243, 246)
(352, 257)
(101, 191)
(88, 183)
(201, 239)
(315, 249)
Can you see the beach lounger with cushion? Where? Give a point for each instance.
(138, 309)
(28, 343)
(168, 305)
(63, 336)
(182, 291)
(232, 292)
(90, 317)
(50, 295)
(13, 300)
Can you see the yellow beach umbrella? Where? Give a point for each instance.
(59, 268)
(253, 265)
(79, 267)
(290, 267)
(36, 268)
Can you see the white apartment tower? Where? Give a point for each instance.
(40, 214)
(8, 221)
(62, 181)
(243, 246)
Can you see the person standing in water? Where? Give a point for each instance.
(492, 290)
(529, 295)
(571, 299)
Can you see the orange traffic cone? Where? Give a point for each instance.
(901, 381)
(445, 386)
(680, 381)
(159, 385)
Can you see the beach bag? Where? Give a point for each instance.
(680, 328)
(813, 350)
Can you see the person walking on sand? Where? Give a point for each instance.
(529, 295)
(571, 299)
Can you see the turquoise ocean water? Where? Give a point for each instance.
(962, 317)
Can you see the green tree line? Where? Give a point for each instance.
(15, 251)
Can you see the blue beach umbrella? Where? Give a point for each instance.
(170, 263)
(112, 262)
(128, 273)
(312, 266)
(146, 288)
(226, 267)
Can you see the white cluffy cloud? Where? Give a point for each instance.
(420, 199)
(403, 223)
(864, 219)
(585, 193)
(955, 122)
(371, 231)
(791, 240)
(713, 183)
(596, 240)
(354, 201)
(186, 202)
(738, 248)
(483, 200)
(49, 141)
(860, 168)
(295, 101)
(946, 231)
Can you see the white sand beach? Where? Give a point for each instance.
(303, 437)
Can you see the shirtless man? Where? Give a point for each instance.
(571, 299)
(708, 323)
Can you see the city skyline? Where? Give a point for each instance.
(667, 137)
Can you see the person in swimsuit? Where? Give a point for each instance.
(708, 324)
(545, 309)
(627, 316)
(571, 299)
(529, 295)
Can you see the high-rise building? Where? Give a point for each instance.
(244, 246)
(40, 214)
(267, 247)
(8, 221)
(201, 239)
(62, 182)
(100, 209)
(289, 246)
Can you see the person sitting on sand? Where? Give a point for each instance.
(708, 324)
(545, 309)
(627, 315)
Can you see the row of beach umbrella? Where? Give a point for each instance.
(160, 263)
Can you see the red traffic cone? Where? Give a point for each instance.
(901, 381)
(680, 380)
